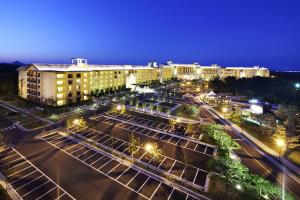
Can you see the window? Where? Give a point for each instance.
(70, 75)
(69, 94)
(78, 75)
(70, 82)
(78, 93)
(59, 75)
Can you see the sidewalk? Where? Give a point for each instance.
(255, 142)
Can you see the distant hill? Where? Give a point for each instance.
(6, 67)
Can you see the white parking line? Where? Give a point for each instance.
(155, 190)
(23, 176)
(9, 156)
(29, 182)
(18, 171)
(97, 159)
(43, 173)
(10, 162)
(90, 156)
(132, 179)
(113, 168)
(46, 193)
(35, 188)
(172, 166)
(170, 194)
(143, 184)
(196, 175)
(161, 162)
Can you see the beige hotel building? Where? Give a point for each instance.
(61, 84)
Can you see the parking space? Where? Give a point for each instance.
(159, 135)
(164, 164)
(124, 173)
(26, 179)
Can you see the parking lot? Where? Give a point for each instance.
(26, 179)
(160, 136)
(146, 185)
(161, 124)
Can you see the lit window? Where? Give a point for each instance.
(60, 89)
(78, 80)
(59, 75)
(59, 82)
(60, 102)
(59, 95)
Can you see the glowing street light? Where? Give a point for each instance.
(238, 187)
(119, 107)
(233, 156)
(253, 101)
(149, 148)
(76, 121)
(297, 85)
(280, 143)
(198, 89)
(224, 110)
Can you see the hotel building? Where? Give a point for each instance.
(61, 84)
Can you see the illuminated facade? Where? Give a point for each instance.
(61, 84)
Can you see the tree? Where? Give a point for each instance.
(153, 151)
(194, 110)
(78, 123)
(134, 145)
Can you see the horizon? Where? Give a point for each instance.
(134, 32)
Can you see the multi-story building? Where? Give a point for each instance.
(61, 84)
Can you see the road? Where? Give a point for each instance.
(258, 163)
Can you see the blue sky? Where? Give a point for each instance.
(228, 33)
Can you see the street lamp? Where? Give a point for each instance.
(281, 146)
(224, 110)
(76, 121)
(119, 107)
(297, 85)
(238, 187)
(149, 148)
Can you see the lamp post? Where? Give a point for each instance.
(281, 146)
(149, 150)
(224, 110)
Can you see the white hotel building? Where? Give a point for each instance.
(61, 84)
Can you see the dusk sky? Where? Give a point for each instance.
(228, 33)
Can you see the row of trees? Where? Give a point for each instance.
(279, 90)
(234, 173)
(102, 92)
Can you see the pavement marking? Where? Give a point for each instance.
(111, 158)
(36, 188)
(30, 170)
(29, 182)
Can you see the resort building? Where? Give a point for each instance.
(61, 84)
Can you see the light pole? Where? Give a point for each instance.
(281, 146)
(149, 150)
(224, 110)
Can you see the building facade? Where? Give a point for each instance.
(61, 84)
